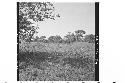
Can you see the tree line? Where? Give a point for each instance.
(78, 36)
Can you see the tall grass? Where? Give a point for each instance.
(56, 62)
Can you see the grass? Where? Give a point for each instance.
(56, 62)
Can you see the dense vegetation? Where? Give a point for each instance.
(55, 58)
(49, 62)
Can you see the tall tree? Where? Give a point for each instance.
(30, 12)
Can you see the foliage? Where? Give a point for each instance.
(55, 39)
(79, 34)
(64, 62)
(53, 72)
(52, 59)
(90, 38)
(30, 12)
(70, 37)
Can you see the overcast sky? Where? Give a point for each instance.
(73, 16)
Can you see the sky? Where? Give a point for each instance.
(73, 16)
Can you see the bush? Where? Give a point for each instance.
(90, 38)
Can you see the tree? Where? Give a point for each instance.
(79, 34)
(51, 39)
(90, 38)
(55, 39)
(70, 37)
(58, 39)
(36, 38)
(30, 12)
(42, 39)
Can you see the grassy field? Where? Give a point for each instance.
(56, 62)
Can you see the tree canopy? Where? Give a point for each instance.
(90, 38)
(55, 39)
(79, 34)
(30, 12)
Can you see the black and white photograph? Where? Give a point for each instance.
(57, 41)
(62, 41)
